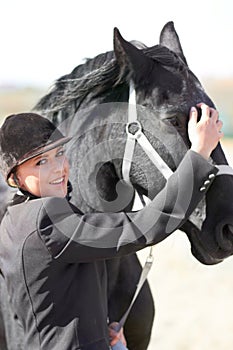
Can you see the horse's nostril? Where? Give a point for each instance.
(226, 238)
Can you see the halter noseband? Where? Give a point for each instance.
(140, 137)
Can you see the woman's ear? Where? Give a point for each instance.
(13, 180)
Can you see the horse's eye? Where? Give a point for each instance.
(175, 122)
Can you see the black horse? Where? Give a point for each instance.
(92, 103)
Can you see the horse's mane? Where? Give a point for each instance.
(96, 76)
(87, 79)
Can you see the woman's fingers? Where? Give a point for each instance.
(205, 110)
(208, 112)
(204, 134)
(214, 114)
(219, 124)
(193, 115)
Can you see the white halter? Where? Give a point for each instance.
(140, 137)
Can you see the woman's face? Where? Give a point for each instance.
(45, 175)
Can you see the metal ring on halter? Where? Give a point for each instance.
(137, 133)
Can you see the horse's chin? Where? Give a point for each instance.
(197, 247)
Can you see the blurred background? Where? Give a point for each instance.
(41, 41)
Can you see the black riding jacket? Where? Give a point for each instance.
(52, 257)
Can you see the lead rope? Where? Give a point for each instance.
(142, 279)
(127, 160)
(126, 166)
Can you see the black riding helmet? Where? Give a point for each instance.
(24, 136)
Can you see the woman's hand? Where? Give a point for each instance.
(114, 335)
(205, 134)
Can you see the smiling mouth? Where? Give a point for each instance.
(58, 181)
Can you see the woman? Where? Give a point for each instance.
(52, 256)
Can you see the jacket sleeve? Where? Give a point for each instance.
(74, 237)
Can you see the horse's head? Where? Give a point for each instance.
(166, 89)
(97, 94)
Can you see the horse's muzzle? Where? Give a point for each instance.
(212, 245)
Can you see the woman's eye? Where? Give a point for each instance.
(42, 161)
(60, 153)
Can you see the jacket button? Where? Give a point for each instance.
(207, 182)
(202, 189)
(211, 176)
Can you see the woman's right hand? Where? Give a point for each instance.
(116, 335)
(204, 134)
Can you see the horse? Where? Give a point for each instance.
(92, 103)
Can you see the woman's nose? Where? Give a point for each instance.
(57, 165)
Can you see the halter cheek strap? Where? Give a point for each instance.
(139, 136)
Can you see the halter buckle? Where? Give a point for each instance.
(134, 129)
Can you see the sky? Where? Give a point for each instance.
(43, 40)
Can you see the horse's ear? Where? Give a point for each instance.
(129, 57)
(170, 39)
